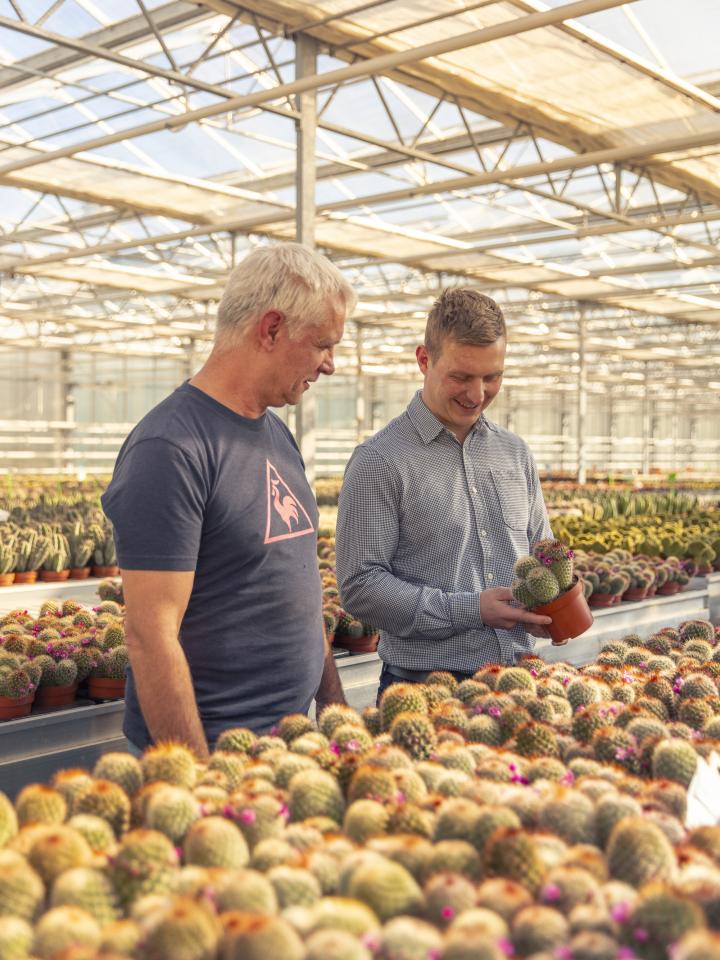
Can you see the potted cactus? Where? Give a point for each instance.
(7, 563)
(32, 550)
(55, 566)
(104, 555)
(107, 678)
(609, 584)
(58, 681)
(641, 577)
(81, 548)
(18, 683)
(546, 584)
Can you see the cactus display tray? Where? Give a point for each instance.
(570, 615)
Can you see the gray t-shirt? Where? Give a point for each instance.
(199, 487)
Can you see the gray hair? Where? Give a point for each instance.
(288, 277)
(465, 315)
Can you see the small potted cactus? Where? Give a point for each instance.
(56, 564)
(81, 549)
(7, 563)
(104, 558)
(58, 682)
(17, 689)
(641, 577)
(32, 550)
(107, 678)
(546, 584)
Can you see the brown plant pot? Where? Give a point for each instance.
(601, 600)
(570, 615)
(54, 576)
(652, 590)
(13, 707)
(56, 696)
(635, 593)
(79, 573)
(26, 576)
(100, 571)
(106, 688)
(6, 579)
(366, 644)
(668, 589)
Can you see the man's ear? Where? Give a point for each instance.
(423, 358)
(268, 327)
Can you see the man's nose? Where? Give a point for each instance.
(328, 365)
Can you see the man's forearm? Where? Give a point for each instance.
(165, 691)
(330, 689)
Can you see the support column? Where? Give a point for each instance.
(509, 412)
(359, 384)
(189, 360)
(67, 409)
(647, 429)
(305, 128)
(581, 400)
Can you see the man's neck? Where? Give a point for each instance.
(218, 378)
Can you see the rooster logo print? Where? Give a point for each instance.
(286, 516)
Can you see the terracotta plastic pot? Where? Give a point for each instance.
(79, 573)
(13, 707)
(53, 696)
(366, 644)
(54, 576)
(106, 688)
(570, 615)
(26, 576)
(100, 571)
(635, 593)
(652, 590)
(668, 589)
(601, 600)
(6, 579)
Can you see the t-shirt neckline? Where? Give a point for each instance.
(250, 423)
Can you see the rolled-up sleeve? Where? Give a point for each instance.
(367, 535)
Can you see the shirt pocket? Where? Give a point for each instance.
(512, 493)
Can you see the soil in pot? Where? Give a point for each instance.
(570, 615)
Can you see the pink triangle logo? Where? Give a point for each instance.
(286, 516)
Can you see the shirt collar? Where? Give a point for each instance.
(428, 425)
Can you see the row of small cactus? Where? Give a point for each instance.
(65, 644)
(54, 547)
(693, 538)
(531, 811)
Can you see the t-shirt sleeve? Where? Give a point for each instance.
(156, 504)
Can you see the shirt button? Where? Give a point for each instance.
(474, 489)
(484, 533)
(491, 576)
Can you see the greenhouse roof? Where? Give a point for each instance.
(568, 167)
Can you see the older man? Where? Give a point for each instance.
(216, 525)
(437, 506)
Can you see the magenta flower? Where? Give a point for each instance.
(641, 935)
(551, 893)
(248, 816)
(506, 947)
(447, 913)
(494, 711)
(334, 747)
(563, 952)
(352, 745)
(621, 911)
(625, 953)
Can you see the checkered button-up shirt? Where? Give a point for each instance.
(424, 525)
